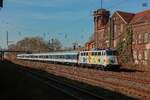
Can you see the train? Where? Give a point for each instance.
(105, 59)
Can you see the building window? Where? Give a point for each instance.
(145, 54)
(121, 28)
(115, 28)
(146, 37)
(140, 38)
(108, 30)
(140, 56)
(115, 43)
(134, 38)
(135, 55)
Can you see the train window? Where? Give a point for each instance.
(86, 54)
(95, 53)
(56, 57)
(75, 56)
(103, 53)
(92, 53)
(71, 57)
(49, 56)
(46, 56)
(65, 56)
(82, 54)
(59, 57)
(99, 53)
(111, 53)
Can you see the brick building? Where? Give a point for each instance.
(109, 31)
(101, 18)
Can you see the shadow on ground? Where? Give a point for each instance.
(15, 85)
(125, 69)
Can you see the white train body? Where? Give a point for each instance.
(100, 57)
(106, 58)
(64, 57)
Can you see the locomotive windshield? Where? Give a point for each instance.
(111, 53)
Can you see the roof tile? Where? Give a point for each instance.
(141, 17)
(126, 16)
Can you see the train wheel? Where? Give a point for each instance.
(104, 68)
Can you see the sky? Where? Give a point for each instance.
(67, 20)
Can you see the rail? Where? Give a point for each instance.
(71, 90)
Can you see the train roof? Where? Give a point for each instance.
(99, 50)
(67, 52)
(54, 53)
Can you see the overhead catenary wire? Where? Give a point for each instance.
(117, 4)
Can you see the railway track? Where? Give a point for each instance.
(126, 83)
(71, 90)
(117, 86)
(136, 77)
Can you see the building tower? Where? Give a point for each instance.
(101, 17)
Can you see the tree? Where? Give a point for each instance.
(33, 44)
(125, 47)
(54, 45)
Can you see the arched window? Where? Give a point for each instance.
(134, 38)
(140, 38)
(135, 55)
(121, 28)
(146, 37)
(146, 54)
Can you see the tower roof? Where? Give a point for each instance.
(101, 11)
